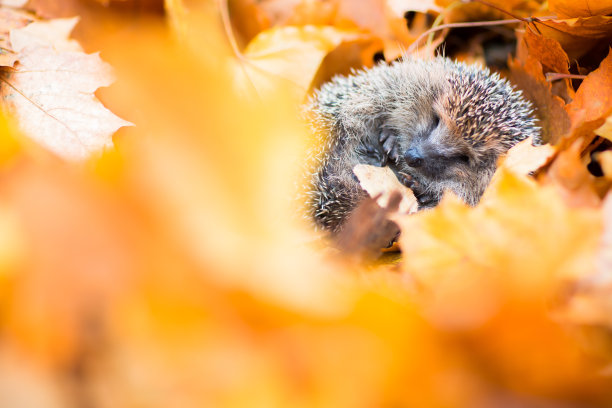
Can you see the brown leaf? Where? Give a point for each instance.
(592, 103)
(549, 109)
(580, 35)
(548, 51)
(580, 8)
(369, 229)
(51, 95)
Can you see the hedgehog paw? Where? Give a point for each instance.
(373, 156)
(406, 179)
(389, 142)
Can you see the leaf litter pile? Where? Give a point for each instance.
(152, 253)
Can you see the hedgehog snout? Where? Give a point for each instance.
(414, 157)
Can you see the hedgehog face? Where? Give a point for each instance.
(442, 154)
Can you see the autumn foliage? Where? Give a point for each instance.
(152, 253)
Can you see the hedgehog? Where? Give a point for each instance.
(440, 125)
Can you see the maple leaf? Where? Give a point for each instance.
(51, 91)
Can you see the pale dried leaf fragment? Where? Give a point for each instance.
(13, 3)
(11, 19)
(52, 33)
(380, 183)
(51, 92)
(525, 158)
(605, 130)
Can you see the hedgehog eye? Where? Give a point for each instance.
(436, 120)
(462, 158)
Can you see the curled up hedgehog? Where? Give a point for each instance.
(439, 125)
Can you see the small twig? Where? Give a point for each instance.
(227, 26)
(440, 18)
(459, 25)
(554, 76)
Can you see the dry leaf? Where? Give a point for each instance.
(289, 57)
(51, 92)
(471, 264)
(548, 51)
(524, 158)
(549, 109)
(580, 8)
(380, 183)
(580, 35)
(592, 103)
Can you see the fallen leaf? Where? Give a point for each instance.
(549, 109)
(580, 8)
(579, 35)
(471, 266)
(381, 183)
(369, 228)
(491, 10)
(289, 57)
(548, 51)
(51, 92)
(592, 103)
(524, 158)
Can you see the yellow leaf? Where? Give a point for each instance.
(289, 57)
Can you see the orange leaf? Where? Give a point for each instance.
(580, 35)
(593, 99)
(580, 8)
(549, 109)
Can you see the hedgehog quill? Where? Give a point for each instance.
(439, 125)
